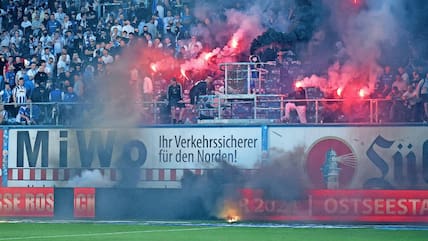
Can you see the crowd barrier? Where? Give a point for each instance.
(243, 108)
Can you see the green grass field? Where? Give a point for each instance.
(153, 232)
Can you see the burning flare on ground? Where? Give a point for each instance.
(230, 212)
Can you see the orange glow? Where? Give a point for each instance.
(298, 84)
(230, 212)
(339, 91)
(154, 67)
(232, 219)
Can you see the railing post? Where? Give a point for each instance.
(316, 110)
(219, 107)
(281, 112)
(376, 111)
(255, 106)
(57, 114)
(249, 75)
(155, 112)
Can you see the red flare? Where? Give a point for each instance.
(208, 56)
(183, 73)
(339, 91)
(234, 43)
(362, 93)
(154, 67)
(298, 84)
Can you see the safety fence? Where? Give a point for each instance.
(237, 108)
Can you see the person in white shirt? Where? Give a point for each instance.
(128, 28)
(19, 93)
(64, 61)
(106, 57)
(116, 26)
(26, 24)
(194, 46)
(47, 54)
(147, 88)
(32, 71)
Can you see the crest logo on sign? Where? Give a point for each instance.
(330, 164)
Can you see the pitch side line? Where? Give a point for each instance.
(105, 234)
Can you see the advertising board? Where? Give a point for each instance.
(26, 202)
(356, 157)
(63, 157)
(375, 206)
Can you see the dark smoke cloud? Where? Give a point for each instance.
(371, 34)
(362, 35)
(414, 21)
(281, 178)
(298, 20)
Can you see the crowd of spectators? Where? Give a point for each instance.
(58, 48)
(404, 96)
(53, 51)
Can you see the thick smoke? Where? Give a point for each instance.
(364, 31)
(280, 177)
(226, 38)
(340, 43)
(348, 42)
(414, 21)
(225, 28)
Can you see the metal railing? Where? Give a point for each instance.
(211, 109)
(271, 108)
